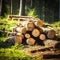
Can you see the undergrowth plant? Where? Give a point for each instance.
(56, 26)
(31, 12)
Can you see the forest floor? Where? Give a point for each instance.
(23, 52)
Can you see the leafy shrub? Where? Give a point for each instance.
(31, 12)
(17, 54)
(7, 24)
(56, 26)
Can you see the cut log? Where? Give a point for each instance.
(27, 35)
(39, 23)
(41, 30)
(50, 43)
(42, 37)
(23, 30)
(35, 32)
(30, 41)
(46, 24)
(19, 38)
(19, 24)
(51, 34)
(31, 21)
(16, 29)
(30, 26)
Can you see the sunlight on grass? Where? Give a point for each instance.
(16, 54)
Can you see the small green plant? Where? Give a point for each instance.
(17, 54)
(7, 24)
(56, 26)
(31, 12)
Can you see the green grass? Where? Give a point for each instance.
(16, 53)
(11, 54)
(7, 24)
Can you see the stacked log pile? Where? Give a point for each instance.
(32, 33)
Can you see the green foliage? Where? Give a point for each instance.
(11, 54)
(7, 24)
(56, 26)
(31, 12)
(15, 53)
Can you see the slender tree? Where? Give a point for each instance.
(59, 9)
(11, 7)
(43, 9)
(32, 3)
(0, 6)
(22, 8)
(3, 10)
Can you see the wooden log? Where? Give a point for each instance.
(30, 41)
(16, 29)
(42, 37)
(41, 30)
(51, 34)
(18, 38)
(23, 30)
(35, 32)
(30, 26)
(50, 42)
(39, 23)
(27, 35)
(46, 24)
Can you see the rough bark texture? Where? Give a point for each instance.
(51, 34)
(33, 34)
(22, 7)
(19, 38)
(30, 26)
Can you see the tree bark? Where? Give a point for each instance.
(22, 8)
(0, 6)
(32, 3)
(3, 8)
(51, 34)
(11, 7)
(59, 9)
(30, 26)
(39, 23)
(18, 39)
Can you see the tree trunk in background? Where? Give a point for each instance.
(32, 3)
(11, 8)
(0, 6)
(22, 8)
(59, 9)
(43, 10)
(3, 10)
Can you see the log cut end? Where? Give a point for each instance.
(27, 35)
(35, 32)
(42, 37)
(51, 34)
(30, 41)
(19, 38)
